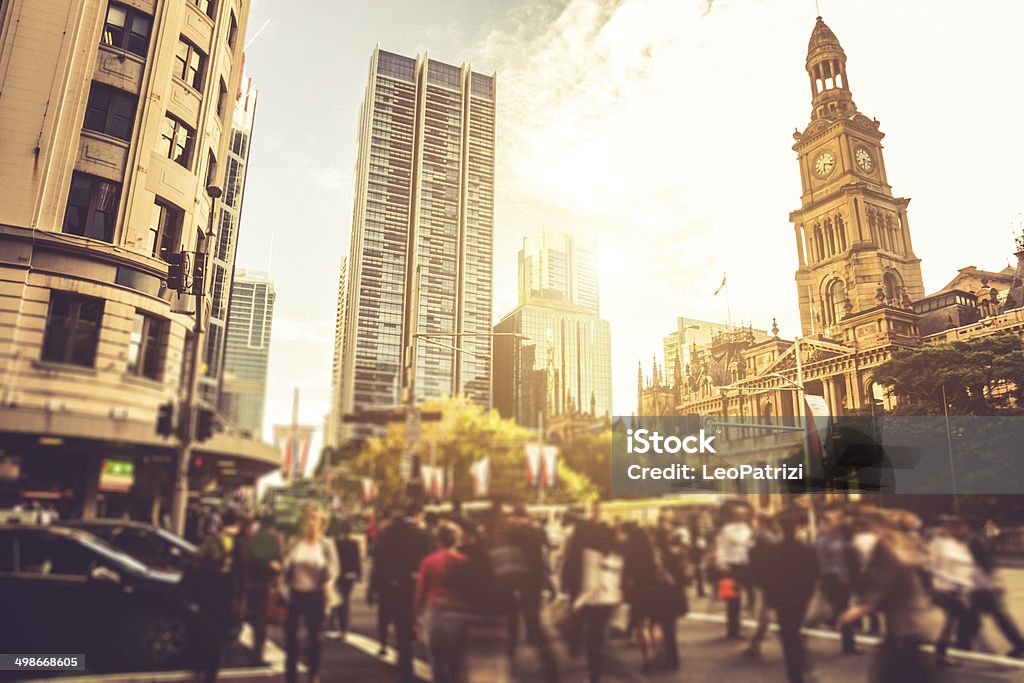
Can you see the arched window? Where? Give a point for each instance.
(819, 243)
(768, 413)
(830, 237)
(891, 284)
(841, 232)
(835, 302)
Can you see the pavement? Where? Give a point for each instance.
(706, 656)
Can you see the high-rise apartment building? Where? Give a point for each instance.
(247, 351)
(679, 344)
(221, 264)
(559, 266)
(113, 116)
(422, 236)
(332, 423)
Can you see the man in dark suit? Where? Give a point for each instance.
(401, 548)
(787, 572)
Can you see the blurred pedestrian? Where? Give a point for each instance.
(592, 575)
(766, 535)
(640, 577)
(351, 572)
(838, 561)
(988, 596)
(892, 587)
(216, 582)
(673, 604)
(266, 551)
(787, 572)
(307, 585)
(528, 587)
(952, 570)
(731, 554)
(442, 609)
(401, 547)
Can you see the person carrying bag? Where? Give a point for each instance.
(307, 585)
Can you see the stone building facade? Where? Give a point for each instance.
(113, 116)
(859, 285)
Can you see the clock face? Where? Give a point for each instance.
(824, 164)
(864, 160)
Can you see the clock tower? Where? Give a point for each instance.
(852, 236)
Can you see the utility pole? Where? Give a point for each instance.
(187, 412)
(812, 525)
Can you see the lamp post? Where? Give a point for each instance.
(187, 414)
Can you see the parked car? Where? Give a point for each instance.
(151, 545)
(65, 590)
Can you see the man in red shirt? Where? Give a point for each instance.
(442, 609)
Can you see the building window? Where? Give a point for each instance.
(110, 111)
(72, 329)
(145, 346)
(190, 63)
(176, 141)
(207, 7)
(92, 207)
(211, 169)
(164, 230)
(232, 30)
(222, 99)
(835, 302)
(127, 29)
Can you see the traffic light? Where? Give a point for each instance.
(206, 422)
(177, 269)
(165, 419)
(199, 274)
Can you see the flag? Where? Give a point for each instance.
(721, 286)
(369, 490)
(549, 466)
(533, 463)
(819, 426)
(480, 471)
(293, 444)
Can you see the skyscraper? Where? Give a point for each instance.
(559, 266)
(422, 236)
(247, 351)
(332, 423)
(221, 265)
(564, 365)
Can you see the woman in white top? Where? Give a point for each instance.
(308, 576)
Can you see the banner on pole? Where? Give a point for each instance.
(480, 471)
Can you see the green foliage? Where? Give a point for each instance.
(466, 433)
(591, 454)
(980, 376)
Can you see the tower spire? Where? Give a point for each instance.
(826, 66)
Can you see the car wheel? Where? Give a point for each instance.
(161, 640)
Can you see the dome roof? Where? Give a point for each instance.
(822, 39)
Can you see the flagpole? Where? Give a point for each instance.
(295, 436)
(728, 305)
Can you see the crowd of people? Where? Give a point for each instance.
(474, 590)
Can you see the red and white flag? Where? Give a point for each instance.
(533, 463)
(294, 443)
(480, 471)
(549, 466)
(369, 490)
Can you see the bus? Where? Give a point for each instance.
(285, 503)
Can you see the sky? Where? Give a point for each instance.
(661, 128)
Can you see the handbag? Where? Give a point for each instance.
(277, 608)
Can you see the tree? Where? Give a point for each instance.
(980, 376)
(464, 434)
(591, 455)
